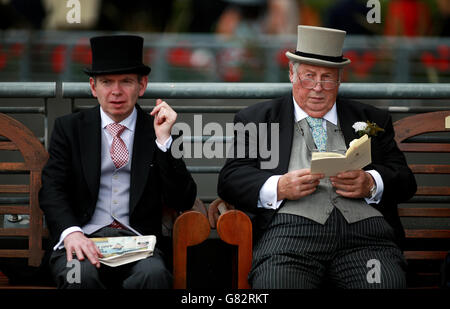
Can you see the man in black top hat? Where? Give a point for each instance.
(110, 172)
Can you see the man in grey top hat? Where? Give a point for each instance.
(111, 171)
(312, 231)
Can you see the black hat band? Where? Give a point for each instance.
(338, 59)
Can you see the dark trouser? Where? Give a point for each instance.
(295, 252)
(149, 273)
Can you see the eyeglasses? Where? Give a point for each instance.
(311, 84)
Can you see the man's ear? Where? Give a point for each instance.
(92, 84)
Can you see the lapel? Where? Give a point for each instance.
(90, 148)
(143, 152)
(346, 119)
(286, 121)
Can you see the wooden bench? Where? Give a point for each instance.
(235, 228)
(190, 228)
(17, 137)
(425, 246)
(187, 229)
(427, 242)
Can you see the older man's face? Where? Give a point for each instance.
(318, 101)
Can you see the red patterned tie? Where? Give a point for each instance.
(117, 225)
(118, 151)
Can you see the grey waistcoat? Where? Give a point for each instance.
(319, 205)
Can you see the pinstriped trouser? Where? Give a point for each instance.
(295, 252)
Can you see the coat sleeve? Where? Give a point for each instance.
(399, 181)
(56, 179)
(241, 178)
(179, 189)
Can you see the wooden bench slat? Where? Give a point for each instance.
(14, 209)
(422, 233)
(14, 189)
(14, 231)
(424, 147)
(12, 253)
(428, 199)
(425, 190)
(430, 168)
(13, 166)
(21, 232)
(424, 212)
(8, 146)
(425, 255)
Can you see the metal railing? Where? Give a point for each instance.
(29, 90)
(272, 90)
(411, 91)
(224, 91)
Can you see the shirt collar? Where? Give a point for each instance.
(129, 122)
(300, 114)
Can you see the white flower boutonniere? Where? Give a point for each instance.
(369, 128)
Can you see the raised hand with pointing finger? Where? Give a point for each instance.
(165, 118)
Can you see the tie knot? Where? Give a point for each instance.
(314, 122)
(115, 129)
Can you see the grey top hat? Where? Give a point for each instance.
(319, 46)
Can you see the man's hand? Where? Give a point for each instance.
(165, 118)
(83, 247)
(297, 184)
(353, 184)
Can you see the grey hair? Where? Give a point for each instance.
(295, 65)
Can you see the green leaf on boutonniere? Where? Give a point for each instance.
(369, 128)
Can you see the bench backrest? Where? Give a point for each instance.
(17, 137)
(425, 140)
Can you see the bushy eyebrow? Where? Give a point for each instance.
(311, 71)
(326, 74)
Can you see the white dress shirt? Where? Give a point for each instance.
(268, 197)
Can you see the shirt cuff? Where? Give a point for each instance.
(66, 232)
(166, 144)
(376, 198)
(268, 194)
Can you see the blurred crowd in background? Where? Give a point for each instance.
(226, 40)
(231, 17)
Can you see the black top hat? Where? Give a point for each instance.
(117, 54)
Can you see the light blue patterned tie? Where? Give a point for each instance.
(318, 132)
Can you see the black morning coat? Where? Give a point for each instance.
(71, 177)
